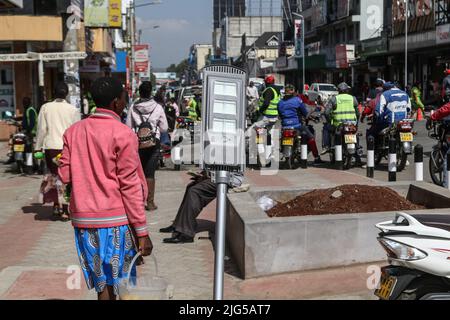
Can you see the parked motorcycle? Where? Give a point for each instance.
(439, 130)
(351, 150)
(418, 253)
(403, 134)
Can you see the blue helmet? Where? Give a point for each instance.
(388, 86)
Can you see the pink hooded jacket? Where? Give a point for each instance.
(101, 161)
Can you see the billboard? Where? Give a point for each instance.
(372, 19)
(103, 13)
(141, 58)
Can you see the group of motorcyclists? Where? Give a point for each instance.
(388, 107)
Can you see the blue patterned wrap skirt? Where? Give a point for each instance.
(105, 256)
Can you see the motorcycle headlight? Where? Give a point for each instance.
(397, 250)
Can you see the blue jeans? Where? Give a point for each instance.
(326, 135)
(165, 138)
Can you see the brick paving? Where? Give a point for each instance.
(36, 251)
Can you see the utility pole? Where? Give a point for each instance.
(406, 42)
(303, 49)
(132, 29)
(133, 43)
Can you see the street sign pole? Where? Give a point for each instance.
(222, 181)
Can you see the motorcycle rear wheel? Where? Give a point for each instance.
(20, 166)
(436, 167)
(401, 162)
(348, 161)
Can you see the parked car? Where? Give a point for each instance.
(324, 90)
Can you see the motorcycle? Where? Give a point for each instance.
(439, 130)
(403, 134)
(187, 126)
(350, 144)
(291, 145)
(21, 150)
(418, 254)
(264, 135)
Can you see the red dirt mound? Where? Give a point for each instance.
(344, 199)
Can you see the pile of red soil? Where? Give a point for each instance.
(344, 199)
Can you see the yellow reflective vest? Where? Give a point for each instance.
(272, 109)
(345, 110)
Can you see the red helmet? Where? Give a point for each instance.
(447, 72)
(270, 79)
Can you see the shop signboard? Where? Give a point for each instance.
(313, 48)
(299, 41)
(443, 34)
(141, 58)
(103, 13)
(344, 54)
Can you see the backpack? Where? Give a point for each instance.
(146, 134)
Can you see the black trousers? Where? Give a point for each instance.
(197, 196)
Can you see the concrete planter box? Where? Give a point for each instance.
(263, 246)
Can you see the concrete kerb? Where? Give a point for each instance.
(263, 246)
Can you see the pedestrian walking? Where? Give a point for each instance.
(54, 119)
(148, 120)
(100, 160)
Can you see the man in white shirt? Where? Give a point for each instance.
(252, 98)
(53, 121)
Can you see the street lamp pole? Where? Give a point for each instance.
(406, 42)
(303, 49)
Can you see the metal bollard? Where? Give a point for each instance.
(304, 155)
(418, 160)
(338, 152)
(392, 160)
(370, 157)
(448, 171)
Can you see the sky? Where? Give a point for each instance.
(182, 23)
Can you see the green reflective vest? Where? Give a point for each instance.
(193, 109)
(272, 109)
(29, 110)
(345, 110)
(417, 99)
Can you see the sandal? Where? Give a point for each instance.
(65, 217)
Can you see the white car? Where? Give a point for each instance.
(324, 90)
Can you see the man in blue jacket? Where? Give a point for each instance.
(393, 106)
(290, 109)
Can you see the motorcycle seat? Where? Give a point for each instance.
(440, 221)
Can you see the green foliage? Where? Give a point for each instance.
(180, 68)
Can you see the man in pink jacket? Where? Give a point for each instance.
(100, 160)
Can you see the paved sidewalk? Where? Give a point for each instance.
(37, 252)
